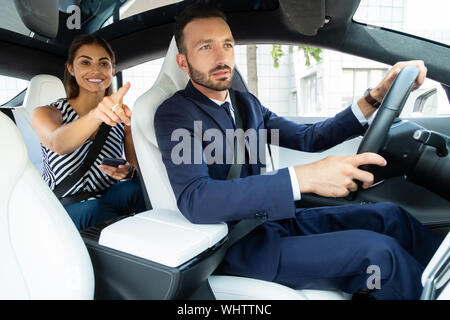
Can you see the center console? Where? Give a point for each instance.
(156, 254)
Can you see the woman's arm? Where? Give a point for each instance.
(130, 153)
(122, 171)
(62, 139)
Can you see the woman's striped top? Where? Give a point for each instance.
(57, 167)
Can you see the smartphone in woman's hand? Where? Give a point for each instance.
(113, 162)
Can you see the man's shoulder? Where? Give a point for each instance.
(177, 102)
(247, 96)
(176, 99)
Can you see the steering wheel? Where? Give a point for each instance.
(390, 108)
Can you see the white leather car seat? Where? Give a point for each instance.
(42, 253)
(159, 190)
(42, 90)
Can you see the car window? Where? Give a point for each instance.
(426, 19)
(141, 78)
(10, 87)
(291, 82)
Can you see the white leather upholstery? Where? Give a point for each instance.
(162, 236)
(238, 288)
(170, 80)
(42, 90)
(30, 138)
(153, 171)
(42, 254)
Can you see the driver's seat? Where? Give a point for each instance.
(154, 175)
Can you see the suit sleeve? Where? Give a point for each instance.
(316, 137)
(203, 199)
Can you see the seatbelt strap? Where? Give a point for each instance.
(239, 144)
(9, 113)
(245, 226)
(94, 150)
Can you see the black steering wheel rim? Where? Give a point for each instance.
(390, 108)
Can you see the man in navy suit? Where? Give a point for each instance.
(345, 247)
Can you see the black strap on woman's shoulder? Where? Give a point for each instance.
(94, 150)
(9, 113)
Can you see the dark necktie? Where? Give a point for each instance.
(226, 105)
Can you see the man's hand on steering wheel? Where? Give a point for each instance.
(379, 92)
(335, 176)
(338, 176)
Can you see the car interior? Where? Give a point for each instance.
(159, 254)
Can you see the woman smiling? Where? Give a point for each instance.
(68, 127)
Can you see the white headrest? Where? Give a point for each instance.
(43, 89)
(170, 79)
(171, 69)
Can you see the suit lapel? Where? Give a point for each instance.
(211, 109)
(248, 113)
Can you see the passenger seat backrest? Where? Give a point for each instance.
(42, 253)
(42, 90)
(171, 79)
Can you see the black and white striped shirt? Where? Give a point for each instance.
(57, 167)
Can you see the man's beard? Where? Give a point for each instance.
(204, 80)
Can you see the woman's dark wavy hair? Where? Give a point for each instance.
(70, 83)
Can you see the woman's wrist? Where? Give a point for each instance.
(92, 117)
(131, 173)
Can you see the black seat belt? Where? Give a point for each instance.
(75, 176)
(71, 179)
(245, 226)
(9, 113)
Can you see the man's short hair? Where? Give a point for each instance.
(190, 13)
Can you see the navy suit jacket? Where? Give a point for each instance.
(205, 196)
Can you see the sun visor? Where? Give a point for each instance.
(306, 16)
(40, 16)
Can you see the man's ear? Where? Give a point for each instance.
(182, 62)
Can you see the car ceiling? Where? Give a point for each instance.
(146, 36)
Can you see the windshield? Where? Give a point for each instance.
(426, 19)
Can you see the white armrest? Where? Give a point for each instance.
(162, 236)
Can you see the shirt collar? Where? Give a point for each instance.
(227, 99)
